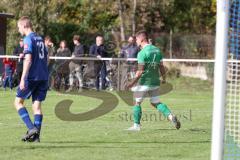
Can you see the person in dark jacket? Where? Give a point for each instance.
(62, 68)
(128, 68)
(75, 66)
(98, 50)
(131, 49)
(51, 52)
(18, 51)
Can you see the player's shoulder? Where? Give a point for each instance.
(37, 37)
(151, 46)
(33, 36)
(29, 38)
(27, 41)
(156, 49)
(141, 53)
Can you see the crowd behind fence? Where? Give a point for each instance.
(119, 71)
(92, 68)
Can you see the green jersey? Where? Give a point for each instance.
(150, 56)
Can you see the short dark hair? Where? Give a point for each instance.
(48, 38)
(143, 34)
(76, 37)
(63, 41)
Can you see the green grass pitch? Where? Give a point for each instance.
(104, 138)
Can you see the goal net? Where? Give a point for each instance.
(232, 109)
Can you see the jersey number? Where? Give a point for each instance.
(40, 46)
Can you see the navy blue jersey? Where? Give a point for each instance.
(34, 45)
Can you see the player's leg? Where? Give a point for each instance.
(38, 95)
(137, 115)
(137, 110)
(163, 108)
(38, 117)
(22, 111)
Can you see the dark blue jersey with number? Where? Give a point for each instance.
(34, 45)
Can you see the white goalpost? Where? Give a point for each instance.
(226, 109)
(221, 50)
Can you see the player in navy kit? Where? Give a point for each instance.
(34, 80)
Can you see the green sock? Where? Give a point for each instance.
(164, 109)
(137, 114)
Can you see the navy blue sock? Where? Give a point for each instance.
(25, 117)
(38, 121)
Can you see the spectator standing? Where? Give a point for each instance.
(128, 68)
(75, 66)
(8, 73)
(62, 66)
(51, 52)
(98, 50)
(18, 51)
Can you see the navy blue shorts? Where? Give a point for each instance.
(36, 89)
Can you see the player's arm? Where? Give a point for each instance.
(138, 75)
(163, 72)
(26, 66)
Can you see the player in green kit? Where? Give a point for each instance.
(148, 81)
